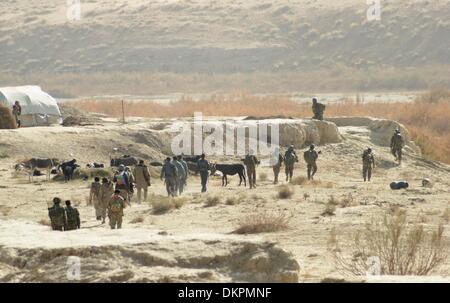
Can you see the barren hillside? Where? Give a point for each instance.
(223, 37)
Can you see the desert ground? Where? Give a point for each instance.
(195, 242)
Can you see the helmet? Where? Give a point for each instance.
(312, 146)
(397, 130)
(369, 149)
(314, 99)
(121, 167)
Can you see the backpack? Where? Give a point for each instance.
(116, 206)
(121, 179)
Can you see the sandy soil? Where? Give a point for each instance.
(23, 205)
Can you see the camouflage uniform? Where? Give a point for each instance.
(115, 211)
(290, 157)
(170, 174)
(181, 176)
(318, 109)
(397, 144)
(57, 216)
(368, 164)
(73, 218)
(276, 168)
(94, 198)
(310, 157)
(142, 178)
(203, 168)
(250, 162)
(106, 191)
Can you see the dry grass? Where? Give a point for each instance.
(7, 120)
(392, 247)
(299, 180)
(231, 201)
(45, 222)
(285, 192)
(263, 222)
(138, 219)
(212, 201)
(329, 210)
(161, 205)
(263, 177)
(426, 118)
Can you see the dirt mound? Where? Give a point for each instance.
(140, 255)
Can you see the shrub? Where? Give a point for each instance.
(162, 205)
(7, 120)
(212, 201)
(329, 210)
(263, 222)
(45, 222)
(299, 180)
(285, 192)
(138, 219)
(263, 177)
(231, 201)
(394, 246)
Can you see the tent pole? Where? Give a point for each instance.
(123, 112)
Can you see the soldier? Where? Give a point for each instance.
(310, 157)
(186, 169)
(368, 164)
(318, 109)
(124, 183)
(290, 157)
(170, 174)
(73, 217)
(115, 209)
(94, 197)
(17, 111)
(203, 168)
(57, 215)
(142, 178)
(277, 161)
(106, 191)
(181, 175)
(397, 144)
(251, 162)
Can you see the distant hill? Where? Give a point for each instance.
(220, 36)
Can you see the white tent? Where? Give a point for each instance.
(38, 107)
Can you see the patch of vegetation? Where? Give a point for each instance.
(285, 192)
(161, 205)
(391, 246)
(212, 201)
(263, 222)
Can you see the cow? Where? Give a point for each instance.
(95, 165)
(125, 160)
(40, 163)
(192, 167)
(67, 168)
(230, 169)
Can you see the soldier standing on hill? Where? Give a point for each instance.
(57, 215)
(318, 109)
(169, 174)
(368, 164)
(251, 162)
(142, 178)
(203, 168)
(94, 197)
(115, 210)
(277, 161)
(17, 112)
(106, 191)
(290, 157)
(73, 217)
(310, 157)
(397, 144)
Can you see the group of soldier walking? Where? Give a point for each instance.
(110, 197)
